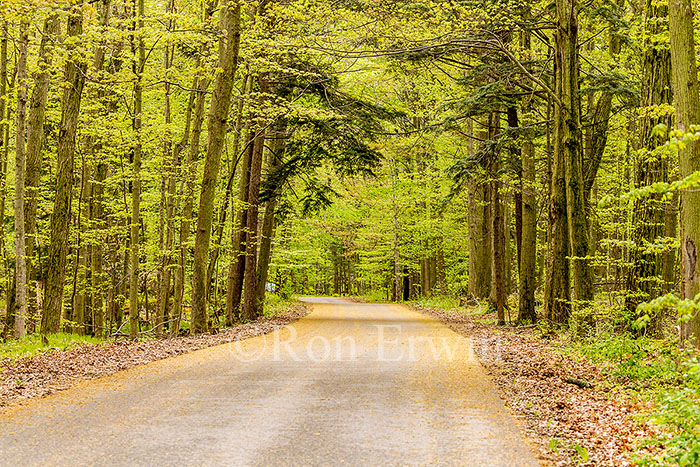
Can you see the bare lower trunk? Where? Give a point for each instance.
(20, 257)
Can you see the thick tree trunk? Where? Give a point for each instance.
(644, 280)
(218, 116)
(20, 155)
(75, 70)
(35, 141)
(569, 146)
(687, 104)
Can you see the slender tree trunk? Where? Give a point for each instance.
(236, 271)
(597, 134)
(251, 308)
(139, 52)
(20, 155)
(75, 69)
(268, 226)
(169, 182)
(480, 224)
(4, 139)
(687, 104)
(498, 239)
(528, 249)
(80, 303)
(96, 190)
(218, 116)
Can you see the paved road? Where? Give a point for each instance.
(350, 384)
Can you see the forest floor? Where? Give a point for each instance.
(574, 413)
(55, 369)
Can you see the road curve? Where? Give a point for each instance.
(352, 384)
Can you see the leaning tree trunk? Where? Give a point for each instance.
(239, 158)
(75, 70)
(20, 310)
(687, 104)
(218, 116)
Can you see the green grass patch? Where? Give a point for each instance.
(439, 302)
(33, 344)
(627, 358)
(276, 304)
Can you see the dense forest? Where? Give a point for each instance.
(163, 164)
(173, 167)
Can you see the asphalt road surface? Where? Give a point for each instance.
(350, 384)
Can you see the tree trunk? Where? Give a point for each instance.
(218, 115)
(4, 140)
(597, 134)
(644, 281)
(528, 248)
(21, 131)
(498, 239)
(75, 70)
(251, 308)
(480, 225)
(35, 141)
(687, 104)
(268, 226)
(170, 183)
(134, 243)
